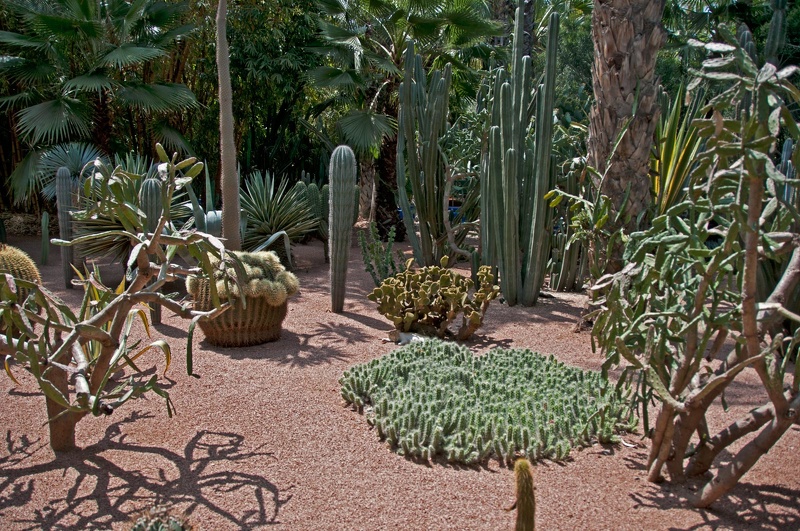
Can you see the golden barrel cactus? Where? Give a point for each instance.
(266, 289)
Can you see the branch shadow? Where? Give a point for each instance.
(104, 492)
(296, 350)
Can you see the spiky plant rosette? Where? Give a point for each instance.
(264, 278)
(434, 398)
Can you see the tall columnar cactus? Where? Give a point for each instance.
(343, 178)
(67, 194)
(776, 38)
(517, 172)
(526, 496)
(422, 120)
(45, 254)
(150, 201)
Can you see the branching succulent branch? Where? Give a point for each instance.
(75, 353)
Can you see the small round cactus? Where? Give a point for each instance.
(17, 263)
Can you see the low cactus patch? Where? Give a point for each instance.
(437, 398)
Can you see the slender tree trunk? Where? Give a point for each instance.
(61, 424)
(230, 179)
(386, 215)
(627, 36)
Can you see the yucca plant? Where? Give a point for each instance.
(274, 213)
(676, 147)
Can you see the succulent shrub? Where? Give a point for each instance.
(429, 299)
(260, 274)
(73, 354)
(434, 398)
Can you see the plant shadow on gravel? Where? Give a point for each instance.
(188, 480)
(747, 503)
(295, 350)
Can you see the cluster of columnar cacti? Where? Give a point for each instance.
(429, 299)
(263, 277)
(437, 398)
(343, 202)
(67, 197)
(517, 173)
(422, 121)
(379, 257)
(318, 200)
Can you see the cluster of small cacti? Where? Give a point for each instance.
(265, 277)
(436, 398)
(160, 518)
(379, 259)
(317, 198)
(428, 300)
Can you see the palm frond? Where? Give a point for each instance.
(75, 156)
(328, 76)
(171, 138)
(364, 129)
(129, 54)
(157, 97)
(95, 82)
(54, 121)
(26, 71)
(66, 27)
(20, 99)
(21, 42)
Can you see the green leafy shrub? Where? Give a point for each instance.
(427, 300)
(379, 261)
(436, 398)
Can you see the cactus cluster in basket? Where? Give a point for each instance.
(258, 286)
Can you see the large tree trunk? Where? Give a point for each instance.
(230, 179)
(627, 36)
(386, 215)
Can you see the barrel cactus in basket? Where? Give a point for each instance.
(259, 297)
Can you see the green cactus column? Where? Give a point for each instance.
(151, 203)
(343, 178)
(67, 190)
(517, 173)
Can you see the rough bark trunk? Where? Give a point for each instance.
(627, 36)
(61, 424)
(386, 215)
(230, 179)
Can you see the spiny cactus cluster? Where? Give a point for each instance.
(317, 198)
(429, 299)
(265, 278)
(18, 264)
(434, 398)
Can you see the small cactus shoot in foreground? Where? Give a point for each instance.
(342, 180)
(526, 497)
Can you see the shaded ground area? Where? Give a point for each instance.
(262, 439)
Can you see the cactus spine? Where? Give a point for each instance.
(518, 173)
(526, 497)
(422, 121)
(67, 193)
(342, 179)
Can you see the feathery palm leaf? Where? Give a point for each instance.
(54, 121)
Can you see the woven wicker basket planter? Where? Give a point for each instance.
(266, 287)
(239, 327)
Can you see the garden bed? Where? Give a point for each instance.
(263, 439)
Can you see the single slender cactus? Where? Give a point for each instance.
(518, 173)
(343, 177)
(776, 38)
(45, 255)
(67, 193)
(422, 120)
(151, 203)
(526, 497)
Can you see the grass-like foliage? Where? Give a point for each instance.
(434, 398)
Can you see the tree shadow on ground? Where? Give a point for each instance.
(747, 505)
(298, 350)
(199, 477)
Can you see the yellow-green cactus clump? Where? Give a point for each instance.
(265, 278)
(19, 265)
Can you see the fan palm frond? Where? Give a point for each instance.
(130, 54)
(95, 82)
(364, 129)
(26, 71)
(157, 97)
(22, 42)
(172, 139)
(53, 121)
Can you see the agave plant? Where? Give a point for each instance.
(272, 213)
(676, 147)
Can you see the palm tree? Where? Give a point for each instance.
(627, 36)
(365, 41)
(88, 70)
